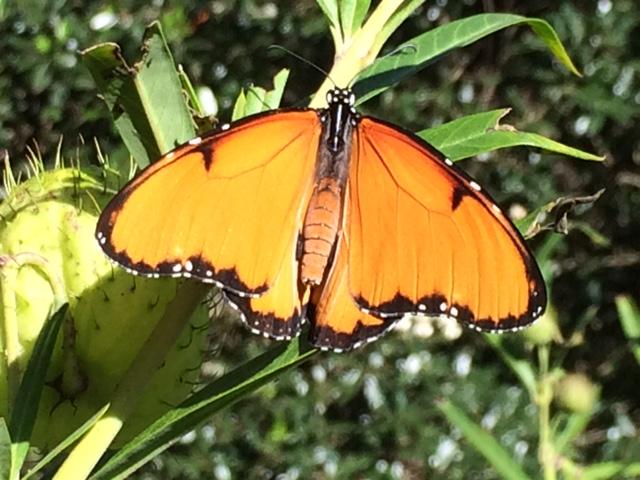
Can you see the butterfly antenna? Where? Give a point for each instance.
(303, 60)
(399, 50)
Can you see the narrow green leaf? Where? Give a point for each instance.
(352, 13)
(62, 446)
(610, 470)
(630, 320)
(254, 99)
(330, 10)
(27, 400)
(188, 415)
(449, 136)
(239, 106)
(576, 424)
(5, 451)
(596, 237)
(417, 53)
(395, 21)
(273, 98)
(254, 102)
(482, 132)
(483, 442)
(192, 96)
(146, 100)
(521, 368)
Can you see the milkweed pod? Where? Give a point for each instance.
(51, 218)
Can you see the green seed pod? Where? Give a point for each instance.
(545, 330)
(47, 237)
(577, 393)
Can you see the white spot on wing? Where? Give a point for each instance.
(475, 186)
(195, 141)
(448, 162)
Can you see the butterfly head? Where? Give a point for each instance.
(341, 96)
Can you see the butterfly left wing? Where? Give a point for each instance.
(225, 209)
(424, 238)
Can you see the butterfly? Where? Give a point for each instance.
(325, 215)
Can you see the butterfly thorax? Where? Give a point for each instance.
(324, 212)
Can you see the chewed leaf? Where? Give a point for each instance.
(147, 127)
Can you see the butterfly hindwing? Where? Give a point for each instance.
(338, 323)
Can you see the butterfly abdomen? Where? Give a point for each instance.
(320, 230)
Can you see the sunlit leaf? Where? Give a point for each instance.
(147, 126)
(415, 54)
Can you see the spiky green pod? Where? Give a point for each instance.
(48, 254)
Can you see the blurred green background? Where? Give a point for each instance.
(371, 413)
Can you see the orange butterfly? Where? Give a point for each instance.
(326, 215)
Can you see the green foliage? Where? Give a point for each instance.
(373, 413)
(23, 417)
(147, 127)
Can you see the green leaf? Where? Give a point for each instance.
(27, 400)
(630, 320)
(576, 424)
(394, 22)
(196, 409)
(483, 442)
(62, 446)
(482, 132)
(273, 97)
(5, 451)
(610, 470)
(146, 101)
(521, 368)
(239, 107)
(330, 10)
(352, 14)
(254, 99)
(417, 53)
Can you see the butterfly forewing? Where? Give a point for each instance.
(225, 209)
(424, 238)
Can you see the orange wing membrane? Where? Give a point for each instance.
(225, 209)
(424, 238)
(349, 221)
(338, 323)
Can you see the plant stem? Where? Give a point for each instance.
(358, 53)
(86, 454)
(546, 455)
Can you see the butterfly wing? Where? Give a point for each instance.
(424, 238)
(225, 209)
(338, 323)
